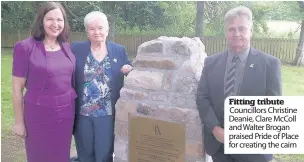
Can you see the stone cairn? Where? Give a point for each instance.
(163, 85)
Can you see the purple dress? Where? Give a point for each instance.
(49, 124)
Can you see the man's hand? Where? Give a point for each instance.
(218, 132)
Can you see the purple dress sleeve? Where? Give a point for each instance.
(20, 61)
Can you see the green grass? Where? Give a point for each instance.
(290, 158)
(7, 117)
(292, 81)
(293, 85)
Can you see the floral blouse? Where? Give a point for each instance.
(97, 88)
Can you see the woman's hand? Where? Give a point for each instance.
(126, 69)
(19, 130)
(18, 85)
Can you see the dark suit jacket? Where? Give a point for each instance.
(118, 57)
(264, 79)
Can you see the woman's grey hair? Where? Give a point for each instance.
(96, 15)
(237, 12)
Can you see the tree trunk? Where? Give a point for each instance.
(112, 16)
(111, 35)
(199, 19)
(65, 5)
(299, 60)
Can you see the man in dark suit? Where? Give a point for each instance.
(239, 71)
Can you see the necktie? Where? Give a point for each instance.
(230, 79)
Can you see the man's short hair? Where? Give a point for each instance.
(237, 12)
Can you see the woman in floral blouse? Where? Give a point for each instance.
(100, 69)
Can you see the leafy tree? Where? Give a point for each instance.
(164, 17)
(17, 14)
(215, 12)
(141, 14)
(285, 11)
(179, 17)
(214, 17)
(199, 19)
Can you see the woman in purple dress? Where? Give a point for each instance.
(44, 65)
